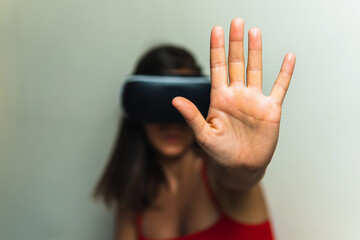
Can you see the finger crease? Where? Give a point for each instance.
(255, 69)
(282, 86)
(218, 65)
(215, 48)
(236, 60)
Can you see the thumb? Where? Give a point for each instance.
(192, 116)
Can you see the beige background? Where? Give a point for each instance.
(61, 65)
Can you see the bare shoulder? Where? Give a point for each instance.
(125, 224)
(246, 206)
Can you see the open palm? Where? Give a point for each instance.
(242, 126)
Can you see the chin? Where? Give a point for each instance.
(172, 152)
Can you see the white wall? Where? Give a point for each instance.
(61, 63)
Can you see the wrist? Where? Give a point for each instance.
(238, 177)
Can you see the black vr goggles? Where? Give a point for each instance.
(147, 99)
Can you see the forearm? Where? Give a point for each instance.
(236, 178)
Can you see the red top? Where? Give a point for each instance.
(225, 228)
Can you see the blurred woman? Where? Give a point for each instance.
(200, 180)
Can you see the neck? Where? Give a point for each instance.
(179, 170)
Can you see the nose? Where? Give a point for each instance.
(172, 126)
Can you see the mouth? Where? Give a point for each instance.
(172, 138)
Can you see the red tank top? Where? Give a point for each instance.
(225, 228)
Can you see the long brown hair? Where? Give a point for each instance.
(132, 176)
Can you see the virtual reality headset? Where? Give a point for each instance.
(148, 99)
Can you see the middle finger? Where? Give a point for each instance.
(236, 52)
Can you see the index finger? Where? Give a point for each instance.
(218, 68)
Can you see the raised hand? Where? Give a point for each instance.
(242, 126)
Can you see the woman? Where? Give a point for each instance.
(200, 180)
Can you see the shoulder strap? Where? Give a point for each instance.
(207, 185)
(138, 225)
